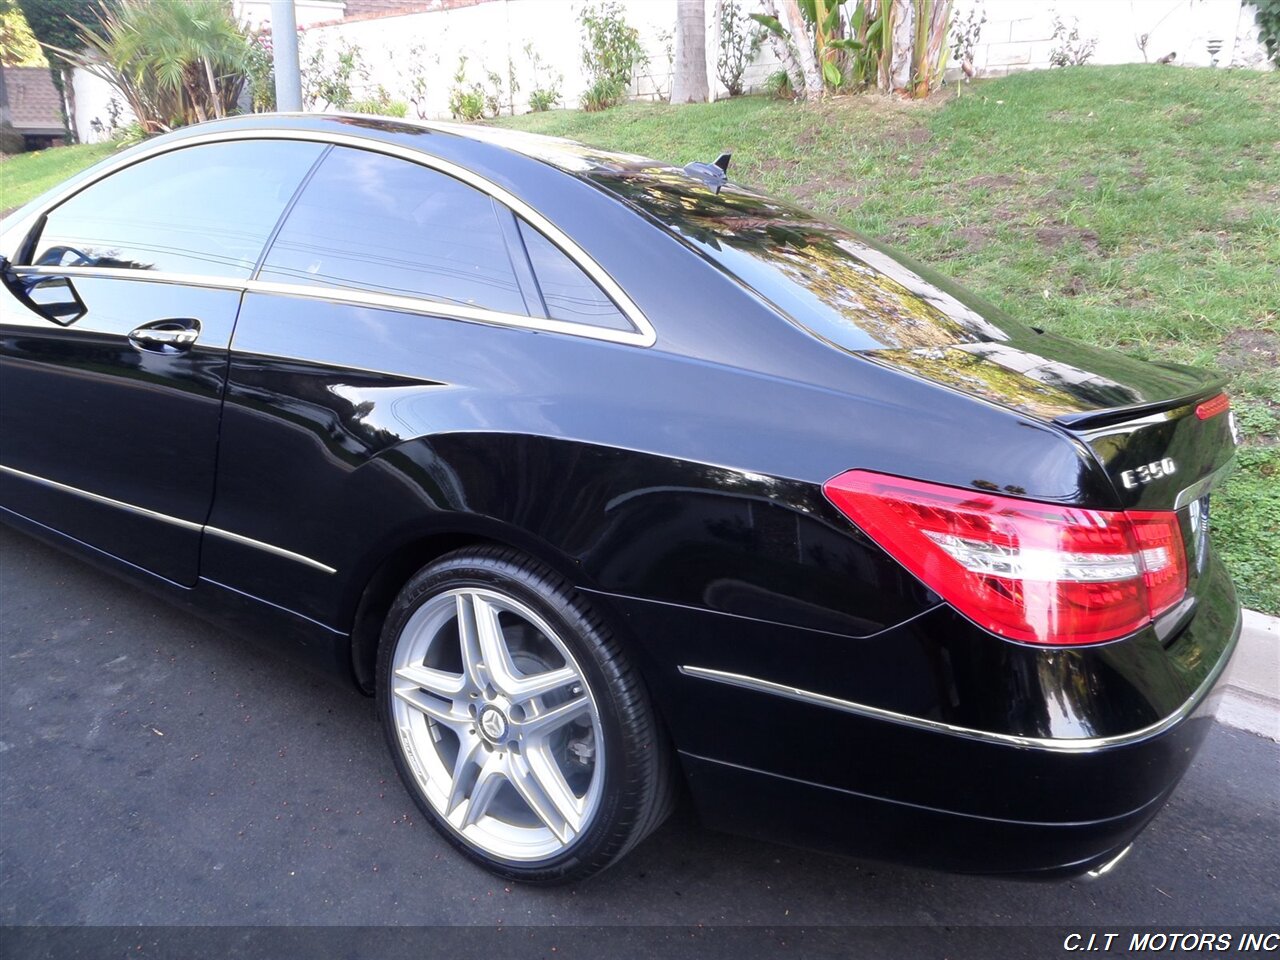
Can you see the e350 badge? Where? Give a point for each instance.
(1148, 472)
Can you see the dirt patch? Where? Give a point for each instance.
(918, 221)
(1250, 350)
(809, 137)
(1261, 198)
(1055, 235)
(994, 181)
(908, 136)
(1074, 286)
(1088, 181)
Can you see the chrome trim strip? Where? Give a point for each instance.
(361, 298)
(644, 334)
(165, 518)
(434, 308)
(269, 548)
(99, 498)
(1202, 486)
(1076, 745)
(153, 276)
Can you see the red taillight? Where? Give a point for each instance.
(1213, 406)
(1035, 572)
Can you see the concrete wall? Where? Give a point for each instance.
(93, 98)
(1018, 33)
(256, 13)
(492, 34)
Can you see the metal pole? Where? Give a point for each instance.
(284, 53)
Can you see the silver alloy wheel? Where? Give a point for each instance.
(497, 723)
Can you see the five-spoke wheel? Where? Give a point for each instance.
(515, 720)
(497, 722)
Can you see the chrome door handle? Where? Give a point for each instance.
(165, 338)
(176, 334)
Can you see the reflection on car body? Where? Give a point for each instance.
(603, 477)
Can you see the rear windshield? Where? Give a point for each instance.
(828, 280)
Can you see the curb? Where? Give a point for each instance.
(1251, 691)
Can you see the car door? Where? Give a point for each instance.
(114, 331)
(349, 345)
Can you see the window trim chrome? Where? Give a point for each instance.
(1060, 745)
(643, 335)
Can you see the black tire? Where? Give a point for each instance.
(639, 787)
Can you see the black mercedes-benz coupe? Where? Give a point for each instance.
(609, 478)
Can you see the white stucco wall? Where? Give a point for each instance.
(256, 13)
(93, 98)
(492, 34)
(1016, 36)
(1018, 33)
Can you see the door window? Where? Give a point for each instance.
(372, 222)
(205, 210)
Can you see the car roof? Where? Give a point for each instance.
(447, 140)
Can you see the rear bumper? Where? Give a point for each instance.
(788, 810)
(934, 743)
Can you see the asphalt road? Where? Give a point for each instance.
(157, 770)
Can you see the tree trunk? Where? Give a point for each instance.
(813, 85)
(214, 93)
(901, 26)
(690, 82)
(783, 50)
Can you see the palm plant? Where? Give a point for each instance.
(174, 61)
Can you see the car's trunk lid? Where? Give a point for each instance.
(1139, 418)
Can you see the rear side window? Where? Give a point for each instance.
(367, 221)
(566, 289)
(206, 210)
(834, 283)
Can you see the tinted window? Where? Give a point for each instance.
(205, 210)
(834, 282)
(567, 291)
(373, 222)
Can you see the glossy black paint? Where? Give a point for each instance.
(679, 484)
(85, 406)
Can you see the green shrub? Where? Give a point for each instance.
(466, 100)
(603, 94)
(778, 86)
(383, 107)
(1266, 14)
(541, 100)
(611, 52)
(740, 42)
(546, 83)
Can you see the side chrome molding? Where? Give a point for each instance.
(269, 548)
(165, 518)
(1064, 745)
(98, 498)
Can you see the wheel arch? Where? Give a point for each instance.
(386, 573)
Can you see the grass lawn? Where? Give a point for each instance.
(28, 175)
(1135, 207)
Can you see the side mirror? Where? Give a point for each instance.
(55, 298)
